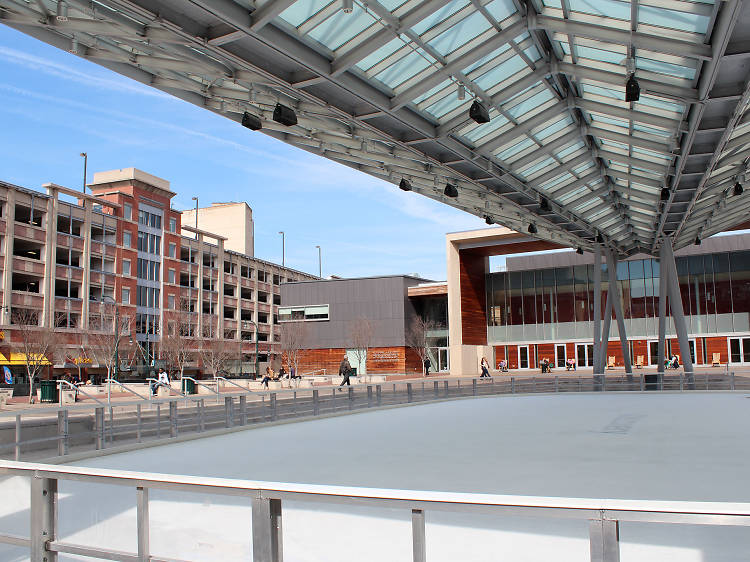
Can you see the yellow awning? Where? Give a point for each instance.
(19, 359)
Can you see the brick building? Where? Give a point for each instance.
(71, 258)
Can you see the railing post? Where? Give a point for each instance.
(202, 405)
(141, 495)
(43, 518)
(445, 385)
(557, 383)
(512, 385)
(158, 420)
(228, 414)
(17, 455)
(379, 394)
(316, 403)
(139, 429)
(111, 425)
(604, 383)
(408, 392)
(604, 540)
(173, 418)
(731, 381)
(436, 388)
(642, 382)
(272, 405)
(99, 427)
(473, 387)
(267, 537)
(62, 432)
(243, 410)
(419, 544)
(682, 383)
(351, 398)
(369, 396)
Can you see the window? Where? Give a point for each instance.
(125, 295)
(126, 267)
(127, 239)
(306, 313)
(172, 250)
(171, 302)
(172, 275)
(172, 224)
(127, 211)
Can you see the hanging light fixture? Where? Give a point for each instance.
(665, 193)
(450, 190)
(532, 228)
(251, 122)
(544, 205)
(488, 219)
(599, 238)
(284, 115)
(738, 189)
(62, 11)
(579, 251)
(74, 46)
(479, 113)
(632, 89)
(404, 185)
(697, 240)
(347, 6)
(461, 92)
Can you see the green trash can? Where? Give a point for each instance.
(49, 391)
(188, 386)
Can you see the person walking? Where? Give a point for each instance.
(427, 365)
(345, 370)
(485, 368)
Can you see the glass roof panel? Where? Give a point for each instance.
(484, 60)
(385, 51)
(439, 15)
(302, 10)
(501, 9)
(486, 128)
(652, 130)
(501, 72)
(535, 168)
(508, 152)
(606, 8)
(552, 4)
(341, 27)
(445, 105)
(597, 54)
(609, 120)
(672, 19)
(662, 67)
(651, 153)
(392, 4)
(605, 92)
(552, 129)
(460, 34)
(562, 154)
(402, 70)
(533, 102)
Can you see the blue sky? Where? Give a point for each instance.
(56, 105)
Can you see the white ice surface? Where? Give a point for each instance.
(634, 446)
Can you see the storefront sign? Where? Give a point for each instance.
(381, 356)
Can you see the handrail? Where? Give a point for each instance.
(204, 386)
(167, 386)
(230, 382)
(312, 373)
(130, 390)
(77, 389)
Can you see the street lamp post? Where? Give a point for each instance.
(196, 216)
(85, 157)
(320, 263)
(283, 249)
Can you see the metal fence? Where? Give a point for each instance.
(603, 515)
(46, 432)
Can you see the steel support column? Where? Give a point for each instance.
(663, 282)
(675, 304)
(597, 308)
(605, 332)
(617, 303)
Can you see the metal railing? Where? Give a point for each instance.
(40, 433)
(603, 516)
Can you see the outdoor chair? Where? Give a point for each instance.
(611, 362)
(716, 360)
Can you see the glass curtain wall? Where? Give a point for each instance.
(558, 303)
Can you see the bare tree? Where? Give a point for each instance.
(293, 338)
(362, 331)
(37, 343)
(416, 337)
(216, 352)
(178, 341)
(107, 340)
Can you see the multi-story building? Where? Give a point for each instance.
(69, 257)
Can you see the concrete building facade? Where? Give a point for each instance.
(233, 221)
(71, 258)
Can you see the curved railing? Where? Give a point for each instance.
(132, 422)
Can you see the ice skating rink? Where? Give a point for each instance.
(624, 446)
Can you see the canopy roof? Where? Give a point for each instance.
(387, 89)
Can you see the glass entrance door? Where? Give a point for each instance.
(739, 350)
(523, 357)
(560, 355)
(585, 355)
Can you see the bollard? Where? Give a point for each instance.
(173, 419)
(408, 392)
(445, 385)
(17, 455)
(272, 404)
(62, 432)
(243, 410)
(99, 427)
(557, 383)
(202, 408)
(369, 396)
(436, 388)
(379, 394)
(316, 403)
(139, 427)
(731, 381)
(512, 385)
(473, 387)
(228, 414)
(351, 398)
